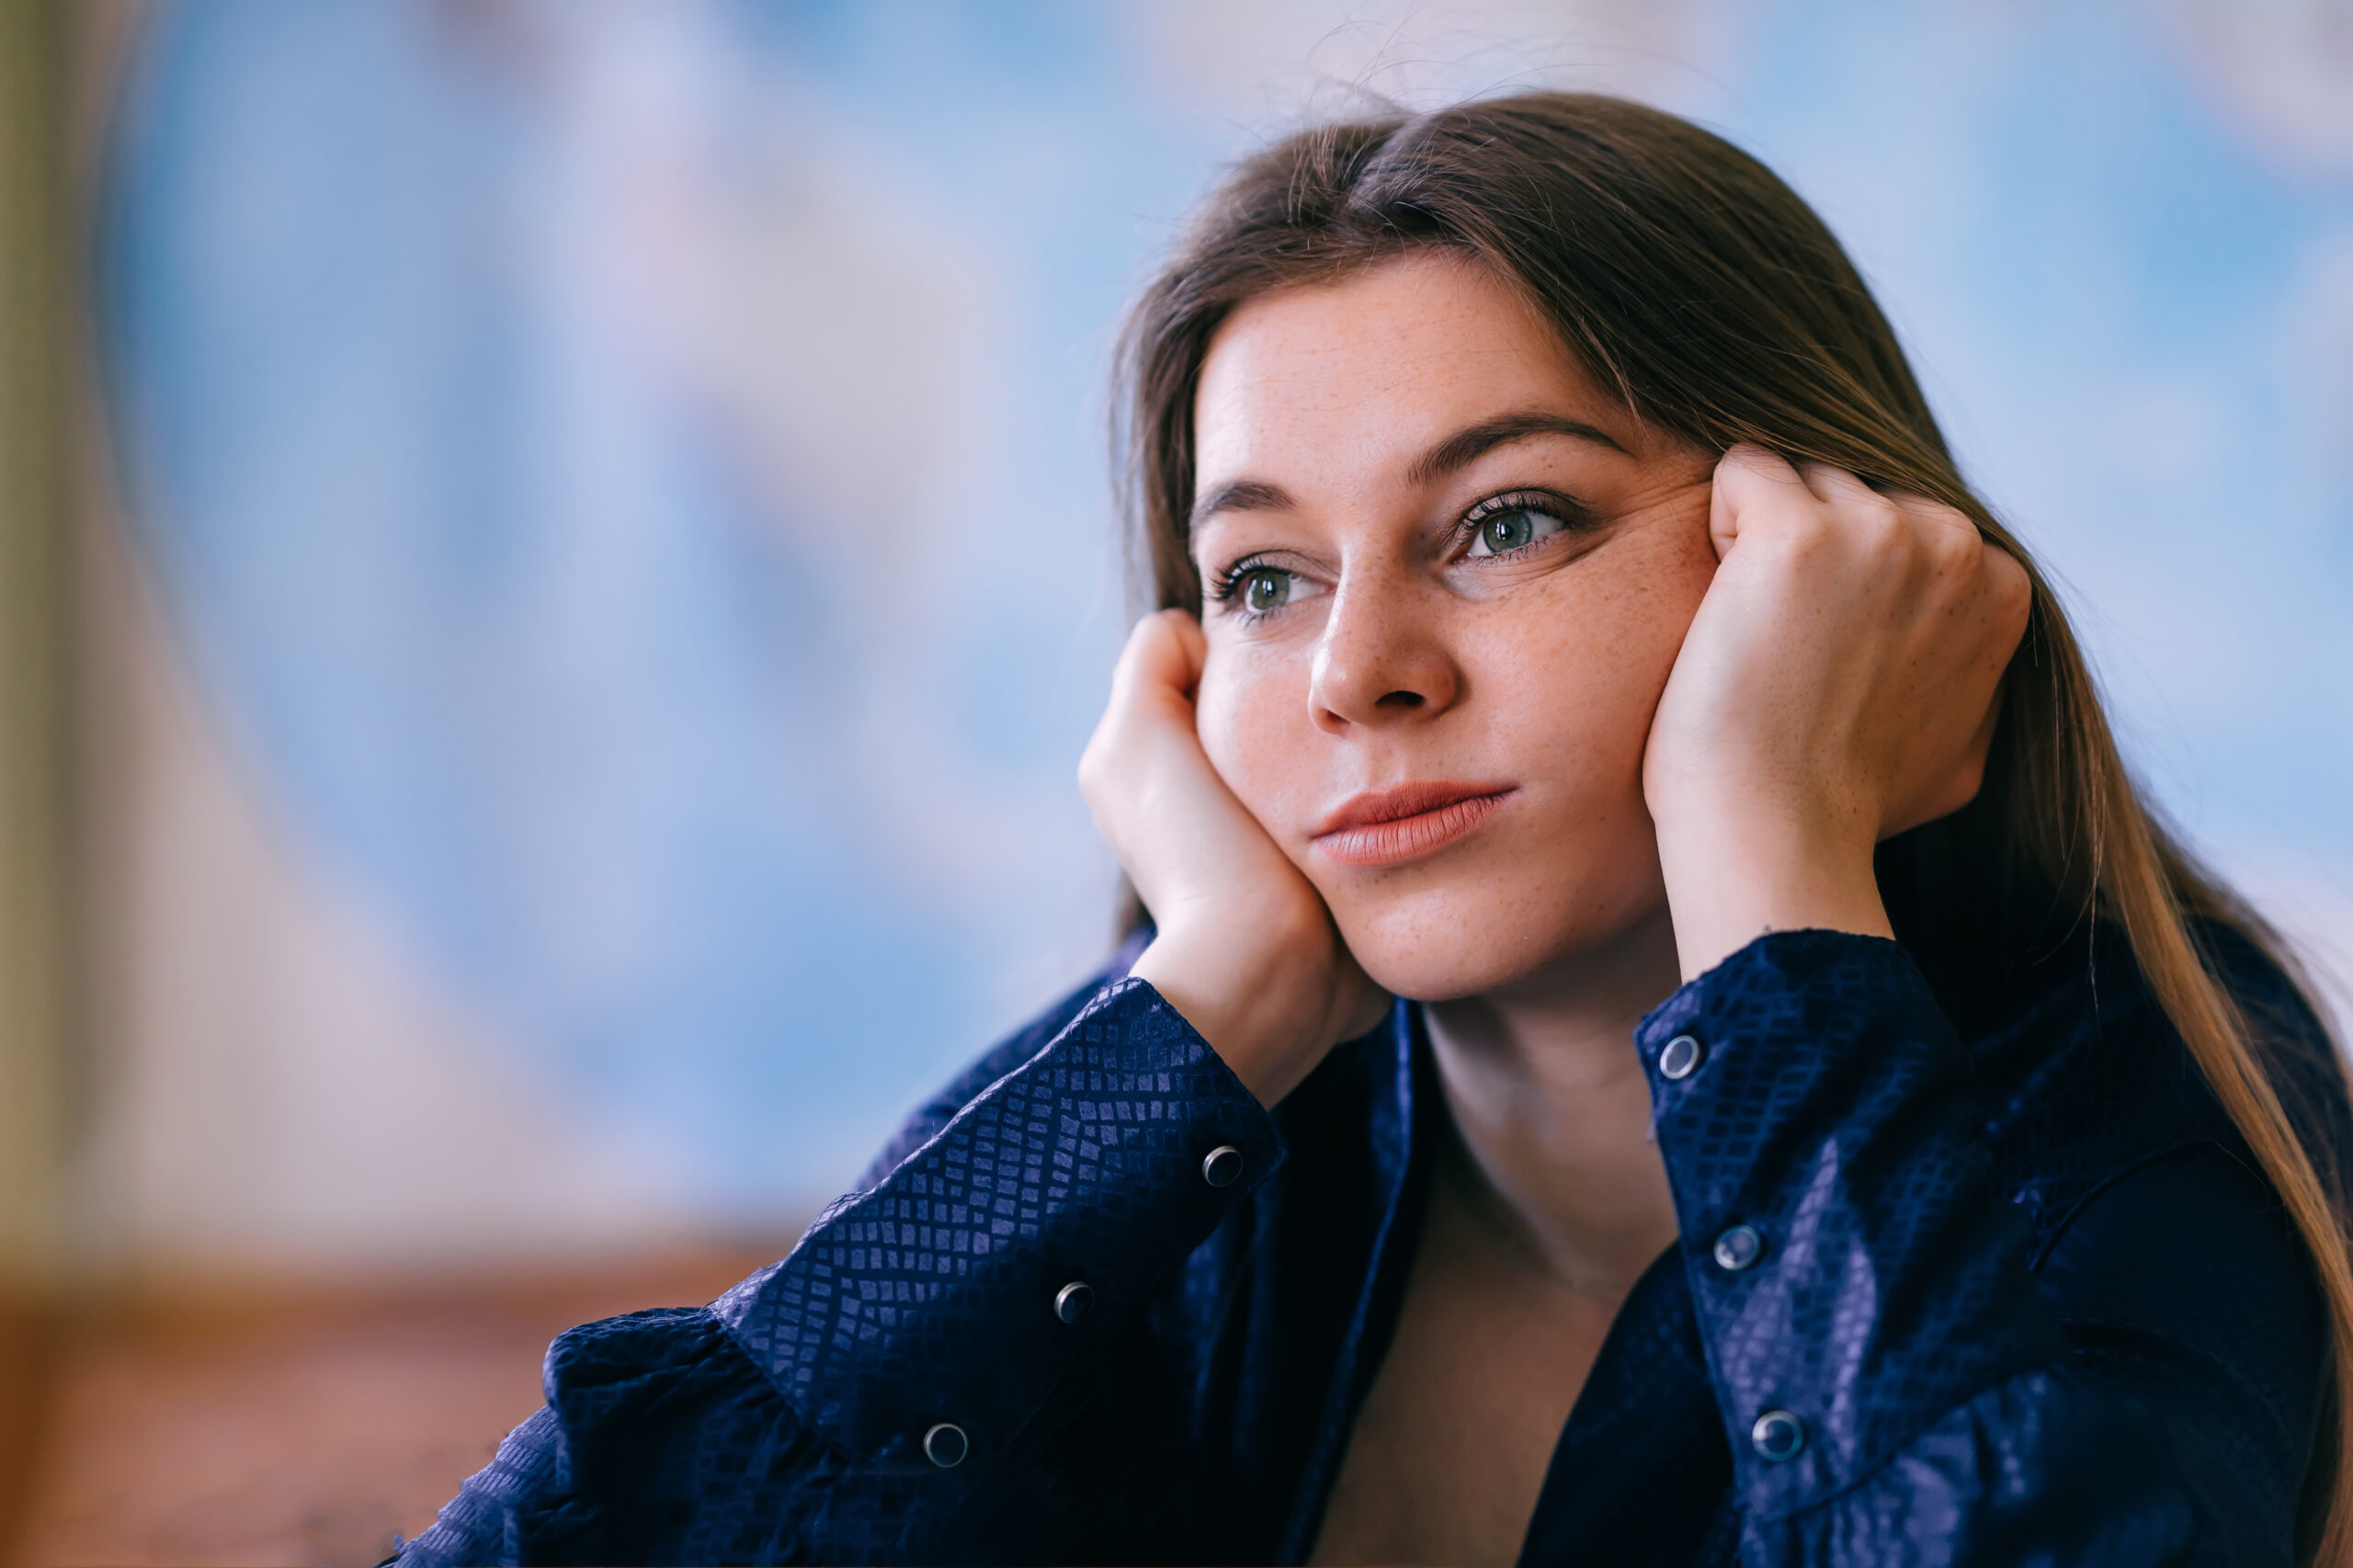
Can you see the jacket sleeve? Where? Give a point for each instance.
(1897, 1384)
(900, 1388)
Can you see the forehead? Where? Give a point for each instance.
(1368, 372)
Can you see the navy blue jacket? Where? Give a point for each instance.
(2021, 1296)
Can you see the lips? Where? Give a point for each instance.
(1388, 827)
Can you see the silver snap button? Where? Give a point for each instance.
(1739, 1247)
(1778, 1436)
(945, 1444)
(1679, 1059)
(1073, 1300)
(1223, 1165)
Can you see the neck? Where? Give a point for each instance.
(1553, 1111)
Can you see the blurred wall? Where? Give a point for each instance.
(36, 271)
(36, 261)
(605, 569)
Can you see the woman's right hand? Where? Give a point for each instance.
(1244, 946)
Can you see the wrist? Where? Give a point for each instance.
(1261, 998)
(1733, 875)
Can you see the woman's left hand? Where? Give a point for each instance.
(1839, 683)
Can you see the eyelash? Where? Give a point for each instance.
(1572, 517)
(1227, 586)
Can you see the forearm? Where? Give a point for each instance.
(1808, 1093)
(925, 1377)
(1895, 1384)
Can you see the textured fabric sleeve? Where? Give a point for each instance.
(1894, 1385)
(500, 1506)
(932, 1300)
(924, 1123)
(914, 1382)
(660, 1443)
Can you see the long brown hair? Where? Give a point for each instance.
(1688, 279)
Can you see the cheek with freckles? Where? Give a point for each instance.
(1563, 685)
(1251, 713)
(1573, 680)
(1559, 677)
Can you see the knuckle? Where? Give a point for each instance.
(1950, 516)
(2010, 578)
(1953, 548)
(1880, 540)
(1745, 467)
(1807, 526)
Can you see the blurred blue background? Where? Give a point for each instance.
(622, 491)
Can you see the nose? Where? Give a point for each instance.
(1381, 661)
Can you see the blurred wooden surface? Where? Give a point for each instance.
(218, 1424)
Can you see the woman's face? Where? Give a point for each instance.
(1445, 578)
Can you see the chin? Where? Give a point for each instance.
(1444, 944)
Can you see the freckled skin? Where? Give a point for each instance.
(1542, 671)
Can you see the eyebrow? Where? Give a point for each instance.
(1242, 495)
(1466, 446)
(1457, 451)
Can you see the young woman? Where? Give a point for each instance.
(1664, 1034)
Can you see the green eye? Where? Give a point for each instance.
(1254, 589)
(1264, 590)
(1508, 530)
